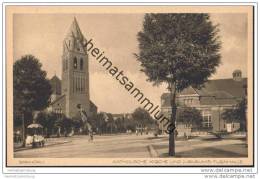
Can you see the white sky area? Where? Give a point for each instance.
(116, 34)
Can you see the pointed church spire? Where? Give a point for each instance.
(75, 30)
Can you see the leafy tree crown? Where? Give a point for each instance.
(32, 89)
(182, 49)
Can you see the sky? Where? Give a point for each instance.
(116, 34)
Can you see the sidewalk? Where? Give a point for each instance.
(201, 148)
(48, 142)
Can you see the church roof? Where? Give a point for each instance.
(92, 103)
(55, 78)
(58, 99)
(75, 30)
(55, 85)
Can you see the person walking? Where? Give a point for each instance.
(86, 122)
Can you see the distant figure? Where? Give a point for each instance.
(176, 133)
(18, 136)
(86, 122)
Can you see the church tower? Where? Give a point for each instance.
(75, 74)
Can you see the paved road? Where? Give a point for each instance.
(102, 146)
(132, 146)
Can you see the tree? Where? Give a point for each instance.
(48, 121)
(120, 125)
(31, 89)
(237, 114)
(179, 49)
(142, 117)
(110, 123)
(130, 124)
(100, 123)
(190, 116)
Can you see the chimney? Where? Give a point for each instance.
(237, 75)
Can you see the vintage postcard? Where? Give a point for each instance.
(129, 85)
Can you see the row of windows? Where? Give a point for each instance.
(188, 101)
(57, 111)
(237, 74)
(75, 64)
(78, 84)
(233, 125)
(206, 116)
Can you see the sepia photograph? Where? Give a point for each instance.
(129, 86)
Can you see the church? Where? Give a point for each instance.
(73, 88)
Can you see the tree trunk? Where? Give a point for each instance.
(173, 117)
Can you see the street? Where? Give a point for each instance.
(132, 146)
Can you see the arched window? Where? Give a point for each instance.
(75, 63)
(81, 64)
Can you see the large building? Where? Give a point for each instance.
(212, 100)
(73, 88)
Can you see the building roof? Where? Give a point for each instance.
(58, 99)
(214, 92)
(93, 107)
(230, 86)
(55, 85)
(92, 104)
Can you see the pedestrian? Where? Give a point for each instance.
(19, 139)
(84, 118)
(176, 134)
